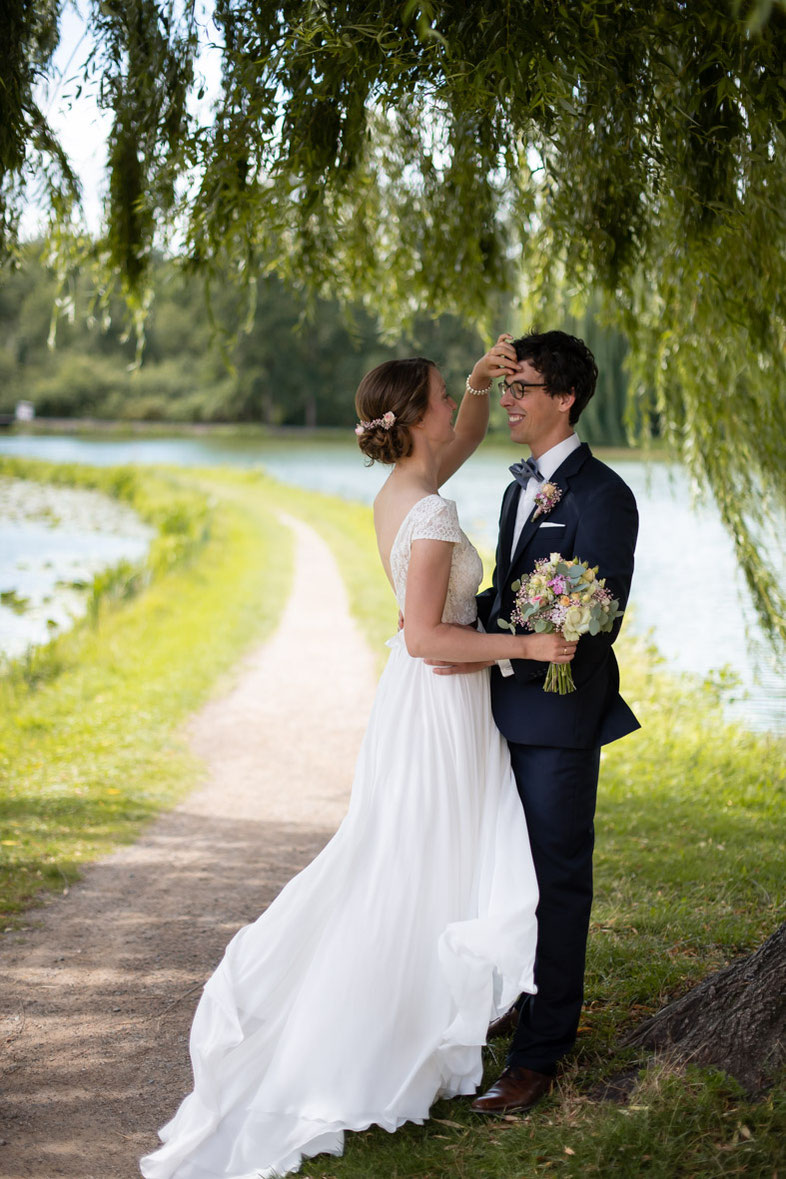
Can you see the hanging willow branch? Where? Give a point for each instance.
(147, 66)
(426, 155)
(30, 155)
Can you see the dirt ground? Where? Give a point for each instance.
(97, 996)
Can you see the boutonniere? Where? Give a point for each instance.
(546, 499)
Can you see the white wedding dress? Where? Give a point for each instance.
(365, 990)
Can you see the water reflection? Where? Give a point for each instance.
(687, 590)
(53, 541)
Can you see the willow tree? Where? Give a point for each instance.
(425, 155)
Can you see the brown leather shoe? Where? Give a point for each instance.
(516, 1089)
(504, 1026)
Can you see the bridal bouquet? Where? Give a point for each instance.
(565, 596)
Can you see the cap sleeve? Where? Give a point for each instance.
(436, 519)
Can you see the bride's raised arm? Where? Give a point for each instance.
(473, 415)
(428, 637)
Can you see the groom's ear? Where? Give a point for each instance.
(565, 400)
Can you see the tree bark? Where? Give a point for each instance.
(734, 1020)
(311, 412)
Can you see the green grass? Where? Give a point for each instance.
(89, 726)
(692, 1126)
(689, 840)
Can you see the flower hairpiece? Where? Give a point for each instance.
(386, 421)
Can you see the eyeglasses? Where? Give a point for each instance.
(517, 389)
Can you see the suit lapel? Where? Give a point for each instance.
(507, 524)
(510, 502)
(562, 476)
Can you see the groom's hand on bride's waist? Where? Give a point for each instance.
(441, 668)
(457, 668)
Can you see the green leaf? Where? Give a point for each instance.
(627, 160)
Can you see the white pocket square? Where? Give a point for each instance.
(550, 524)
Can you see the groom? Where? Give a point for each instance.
(555, 740)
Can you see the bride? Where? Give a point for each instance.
(365, 990)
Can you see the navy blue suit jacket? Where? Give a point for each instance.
(595, 520)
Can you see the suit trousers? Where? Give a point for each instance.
(558, 789)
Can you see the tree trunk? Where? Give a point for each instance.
(311, 411)
(734, 1020)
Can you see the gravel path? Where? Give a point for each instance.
(97, 998)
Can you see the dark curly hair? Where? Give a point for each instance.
(400, 387)
(565, 363)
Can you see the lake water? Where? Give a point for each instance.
(53, 542)
(687, 591)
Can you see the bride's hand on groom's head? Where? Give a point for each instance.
(499, 361)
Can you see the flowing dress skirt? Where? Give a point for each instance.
(365, 990)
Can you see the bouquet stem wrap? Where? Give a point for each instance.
(559, 678)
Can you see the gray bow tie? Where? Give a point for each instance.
(524, 471)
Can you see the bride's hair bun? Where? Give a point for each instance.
(400, 387)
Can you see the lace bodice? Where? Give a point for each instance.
(435, 518)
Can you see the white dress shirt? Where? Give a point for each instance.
(547, 464)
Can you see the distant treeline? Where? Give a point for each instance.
(287, 370)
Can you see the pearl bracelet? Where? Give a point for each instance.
(478, 392)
